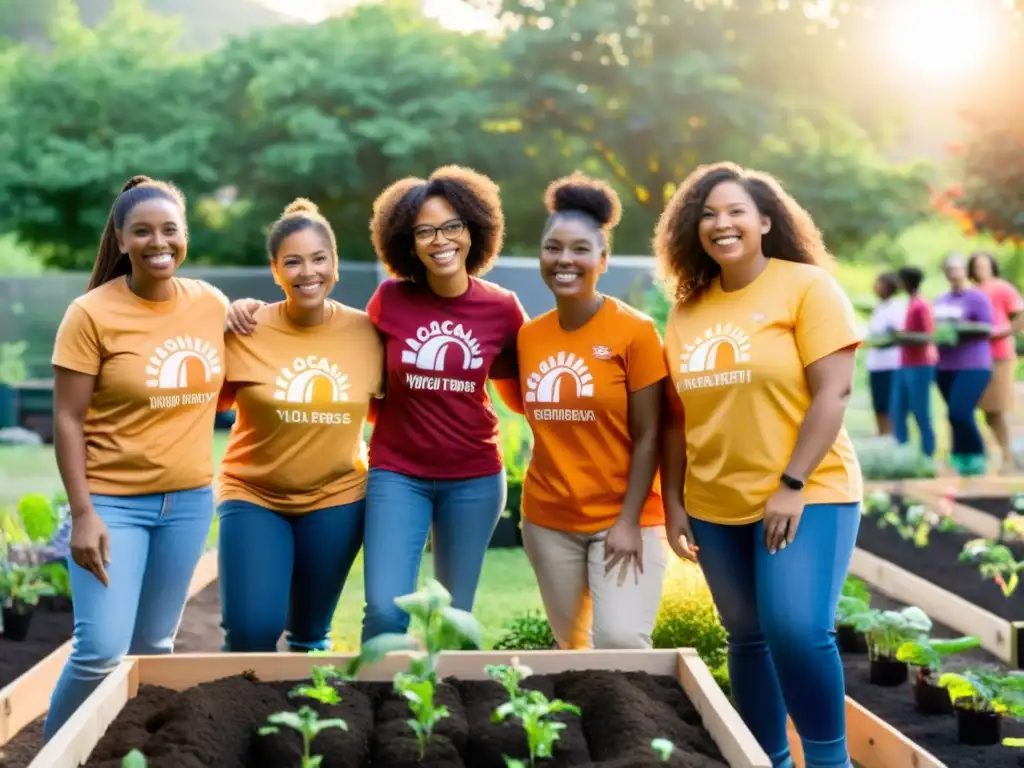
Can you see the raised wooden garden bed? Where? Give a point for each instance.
(27, 698)
(627, 699)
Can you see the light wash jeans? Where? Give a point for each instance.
(155, 543)
(779, 611)
(400, 511)
(281, 572)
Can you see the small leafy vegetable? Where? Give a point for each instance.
(929, 653)
(986, 690)
(888, 630)
(308, 725)
(664, 748)
(994, 561)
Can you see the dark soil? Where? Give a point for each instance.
(938, 563)
(935, 733)
(216, 724)
(49, 630)
(997, 506)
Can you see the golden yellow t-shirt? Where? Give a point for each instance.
(302, 394)
(576, 387)
(158, 368)
(737, 361)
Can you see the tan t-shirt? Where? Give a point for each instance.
(302, 395)
(158, 368)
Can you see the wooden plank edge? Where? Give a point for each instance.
(27, 697)
(71, 746)
(997, 635)
(722, 721)
(905, 487)
(974, 520)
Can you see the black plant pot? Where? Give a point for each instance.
(930, 698)
(17, 620)
(887, 672)
(978, 729)
(850, 640)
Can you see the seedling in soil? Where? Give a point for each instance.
(982, 697)
(664, 749)
(443, 628)
(308, 725)
(531, 708)
(915, 524)
(321, 690)
(928, 656)
(886, 631)
(994, 561)
(854, 600)
(134, 759)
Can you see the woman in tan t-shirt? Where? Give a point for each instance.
(293, 480)
(137, 368)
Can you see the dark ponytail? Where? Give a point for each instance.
(110, 262)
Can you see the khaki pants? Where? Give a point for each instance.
(585, 607)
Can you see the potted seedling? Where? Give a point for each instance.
(994, 561)
(855, 600)
(886, 632)
(981, 698)
(927, 655)
(20, 590)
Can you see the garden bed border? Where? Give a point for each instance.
(998, 636)
(71, 746)
(938, 494)
(27, 697)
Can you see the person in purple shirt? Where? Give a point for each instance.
(964, 318)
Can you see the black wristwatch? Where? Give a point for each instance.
(792, 482)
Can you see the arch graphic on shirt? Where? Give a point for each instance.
(702, 355)
(430, 354)
(543, 386)
(170, 363)
(303, 387)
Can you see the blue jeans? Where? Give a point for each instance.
(155, 543)
(962, 390)
(779, 612)
(281, 572)
(399, 513)
(912, 395)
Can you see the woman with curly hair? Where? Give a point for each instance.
(760, 346)
(592, 372)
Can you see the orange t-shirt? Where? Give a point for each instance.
(149, 428)
(302, 394)
(576, 387)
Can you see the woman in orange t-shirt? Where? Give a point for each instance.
(591, 371)
(292, 485)
(137, 368)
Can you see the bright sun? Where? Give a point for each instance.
(941, 37)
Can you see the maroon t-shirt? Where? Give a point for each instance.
(919, 320)
(437, 420)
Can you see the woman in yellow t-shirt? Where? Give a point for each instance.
(137, 369)
(591, 371)
(293, 481)
(758, 470)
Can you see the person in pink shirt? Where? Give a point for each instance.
(1008, 317)
(912, 390)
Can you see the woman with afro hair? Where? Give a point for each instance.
(760, 479)
(434, 460)
(592, 371)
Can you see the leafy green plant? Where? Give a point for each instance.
(442, 628)
(929, 653)
(994, 561)
(320, 688)
(663, 748)
(13, 369)
(39, 516)
(57, 576)
(530, 632)
(21, 585)
(915, 523)
(531, 708)
(887, 631)
(854, 600)
(308, 725)
(883, 459)
(687, 618)
(986, 690)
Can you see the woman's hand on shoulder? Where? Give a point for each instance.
(242, 316)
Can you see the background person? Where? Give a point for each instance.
(1008, 320)
(912, 395)
(761, 349)
(591, 371)
(293, 480)
(882, 358)
(137, 368)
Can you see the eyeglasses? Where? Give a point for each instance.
(450, 229)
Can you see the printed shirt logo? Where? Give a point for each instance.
(544, 386)
(179, 363)
(702, 361)
(601, 352)
(430, 350)
(312, 380)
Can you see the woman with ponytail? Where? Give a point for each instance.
(292, 483)
(137, 369)
(591, 371)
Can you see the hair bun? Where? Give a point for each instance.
(584, 194)
(301, 205)
(135, 181)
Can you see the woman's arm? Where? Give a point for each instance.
(226, 398)
(830, 381)
(511, 394)
(644, 428)
(72, 394)
(673, 446)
